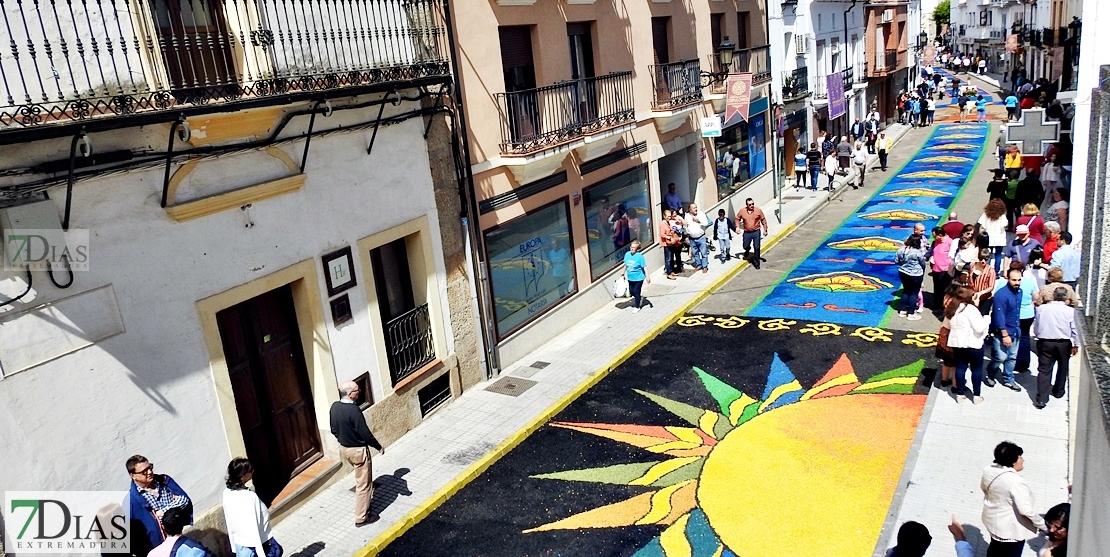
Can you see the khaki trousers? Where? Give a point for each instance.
(359, 458)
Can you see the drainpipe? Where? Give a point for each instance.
(853, 5)
(475, 253)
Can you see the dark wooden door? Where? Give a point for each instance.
(191, 36)
(269, 379)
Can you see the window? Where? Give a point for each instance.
(743, 24)
(531, 265)
(741, 154)
(716, 28)
(407, 324)
(617, 212)
(365, 395)
(661, 39)
(435, 393)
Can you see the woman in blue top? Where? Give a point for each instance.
(911, 263)
(635, 270)
(981, 108)
(800, 169)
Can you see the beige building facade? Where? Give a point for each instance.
(579, 114)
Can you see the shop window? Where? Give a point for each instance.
(617, 212)
(531, 265)
(741, 154)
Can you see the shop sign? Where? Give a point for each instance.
(711, 126)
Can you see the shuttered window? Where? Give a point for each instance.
(660, 40)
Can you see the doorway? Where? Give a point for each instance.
(269, 380)
(201, 64)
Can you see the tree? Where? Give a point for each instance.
(942, 15)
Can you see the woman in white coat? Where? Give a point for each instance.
(967, 330)
(246, 516)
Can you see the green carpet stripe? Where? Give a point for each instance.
(691, 414)
(620, 474)
(722, 392)
(688, 472)
(908, 370)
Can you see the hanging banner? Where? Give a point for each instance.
(834, 84)
(738, 97)
(929, 57)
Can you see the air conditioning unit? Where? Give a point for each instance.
(888, 15)
(801, 45)
(834, 48)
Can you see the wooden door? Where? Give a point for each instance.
(269, 379)
(193, 39)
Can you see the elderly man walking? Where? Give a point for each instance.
(750, 219)
(1057, 341)
(349, 427)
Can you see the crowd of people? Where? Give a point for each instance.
(833, 157)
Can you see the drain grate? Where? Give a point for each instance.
(511, 386)
(788, 197)
(540, 365)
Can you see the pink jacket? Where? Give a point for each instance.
(941, 262)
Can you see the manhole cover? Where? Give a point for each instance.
(540, 365)
(511, 386)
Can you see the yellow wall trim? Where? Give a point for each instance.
(213, 204)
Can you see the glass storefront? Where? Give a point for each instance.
(617, 212)
(741, 154)
(531, 265)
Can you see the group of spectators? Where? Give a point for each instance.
(834, 158)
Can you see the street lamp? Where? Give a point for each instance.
(725, 52)
(922, 39)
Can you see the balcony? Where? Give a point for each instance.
(821, 87)
(756, 61)
(885, 64)
(536, 119)
(1048, 37)
(409, 343)
(150, 62)
(795, 85)
(861, 72)
(848, 75)
(677, 85)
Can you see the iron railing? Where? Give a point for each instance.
(677, 84)
(796, 84)
(821, 87)
(100, 58)
(409, 342)
(848, 77)
(861, 72)
(756, 61)
(535, 119)
(889, 61)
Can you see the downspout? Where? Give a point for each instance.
(475, 254)
(847, 44)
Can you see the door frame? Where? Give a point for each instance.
(305, 284)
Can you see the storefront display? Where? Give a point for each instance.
(617, 212)
(741, 154)
(531, 265)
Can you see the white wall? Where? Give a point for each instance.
(70, 423)
(1094, 52)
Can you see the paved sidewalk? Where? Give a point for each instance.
(452, 446)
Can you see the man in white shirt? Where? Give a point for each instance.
(1009, 515)
(1057, 342)
(696, 223)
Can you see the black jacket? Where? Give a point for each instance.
(348, 425)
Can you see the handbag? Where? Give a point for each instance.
(620, 287)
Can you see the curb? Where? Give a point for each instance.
(424, 509)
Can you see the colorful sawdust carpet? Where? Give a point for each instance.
(851, 277)
(724, 436)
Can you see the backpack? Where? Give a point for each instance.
(192, 544)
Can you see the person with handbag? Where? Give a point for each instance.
(672, 245)
(967, 333)
(1009, 514)
(246, 516)
(635, 272)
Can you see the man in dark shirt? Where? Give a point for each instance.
(844, 153)
(814, 160)
(1029, 190)
(1005, 331)
(996, 189)
(349, 427)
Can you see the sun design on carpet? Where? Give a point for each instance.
(897, 214)
(916, 192)
(960, 136)
(946, 158)
(841, 281)
(953, 147)
(867, 243)
(832, 454)
(931, 174)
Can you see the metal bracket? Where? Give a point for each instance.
(311, 124)
(86, 150)
(443, 92)
(396, 101)
(186, 133)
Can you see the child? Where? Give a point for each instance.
(832, 164)
(723, 228)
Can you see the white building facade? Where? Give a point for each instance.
(302, 229)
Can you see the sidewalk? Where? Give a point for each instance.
(455, 444)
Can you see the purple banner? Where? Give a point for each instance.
(834, 84)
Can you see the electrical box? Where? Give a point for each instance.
(39, 216)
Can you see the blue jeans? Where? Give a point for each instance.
(814, 172)
(724, 244)
(1004, 359)
(698, 250)
(996, 259)
(969, 358)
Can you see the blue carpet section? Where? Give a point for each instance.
(851, 277)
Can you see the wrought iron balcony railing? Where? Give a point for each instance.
(820, 87)
(755, 60)
(796, 84)
(848, 75)
(861, 72)
(677, 84)
(535, 119)
(103, 58)
(409, 342)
